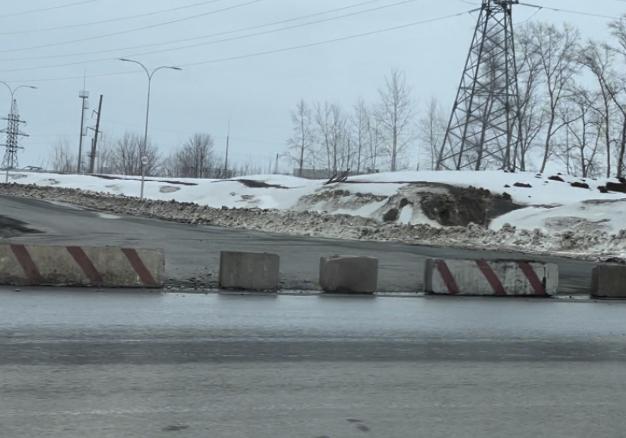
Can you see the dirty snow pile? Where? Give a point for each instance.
(490, 209)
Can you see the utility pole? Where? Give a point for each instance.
(13, 130)
(84, 96)
(227, 150)
(94, 145)
(12, 143)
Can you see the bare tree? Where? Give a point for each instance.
(374, 141)
(104, 162)
(431, 131)
(532, 118)
(360, 124)
(584, 126)
(395, 115)
(63, 159)
(331, 126)
(199, 148)
(302, 141)
(194, 159)
(557, 50)
(617, 89)
(127, 156)
(599, 59)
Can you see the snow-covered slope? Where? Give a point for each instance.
(551, 204)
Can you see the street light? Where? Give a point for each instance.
(149, 74)
(13, 91)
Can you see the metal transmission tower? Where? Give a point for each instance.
(13, 134)
(481, 131)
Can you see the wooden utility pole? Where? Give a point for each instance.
(94, 145)
(227, 151)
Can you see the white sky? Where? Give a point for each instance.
(255, 93)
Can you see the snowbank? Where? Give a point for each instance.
(554, 203)
(574, 242)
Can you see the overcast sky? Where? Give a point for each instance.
(53, 48)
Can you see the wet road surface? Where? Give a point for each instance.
(192, 252)
(102, 364)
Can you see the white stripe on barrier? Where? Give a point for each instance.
(497, 278)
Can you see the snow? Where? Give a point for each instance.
(604, 215)
(550, 205)
(220, 192)
(542, 192)
(406, 215)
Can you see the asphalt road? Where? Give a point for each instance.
(192, 252)
(75, 364)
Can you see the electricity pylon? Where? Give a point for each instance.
(13, 134)
(482, 128)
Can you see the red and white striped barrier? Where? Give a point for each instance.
(495, 278)
(36, 265)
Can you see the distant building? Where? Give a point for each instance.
(326, 173)
(33, 169)
(313, 173)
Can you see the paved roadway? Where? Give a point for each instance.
(192, 252)
(75, 364)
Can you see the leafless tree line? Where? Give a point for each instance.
(572, 106)
(193, 159)
(572, 101)
(363, 139)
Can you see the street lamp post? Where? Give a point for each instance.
(12, 91)
(149, 74)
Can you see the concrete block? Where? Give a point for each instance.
(249, 271)
(39, 265)
(609, 281)
(348, 274)
(496, 278)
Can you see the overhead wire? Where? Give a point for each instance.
(568, 11)
(330, 41)
(47, 9)
(132, 30)
(110, 20)
(272, 51)
(200, 37)
(184, 40)
(533, 15)
(236, 38)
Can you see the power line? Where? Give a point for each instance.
(50, 8)
(136, 29)
(200, 37)
(275, 51)
(569, 11)
(281, 29)
(329, 41)
(177, 48)
(110, 20)
(533, 15)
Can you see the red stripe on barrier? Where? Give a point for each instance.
(491, 277)
(27, 264)
(534, 281)
(83, 261)
(447, 276)
(140, 268)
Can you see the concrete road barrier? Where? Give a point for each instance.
(38, 265)
(249, 271)
(347, 274)
(497, 278)
(609, 281)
